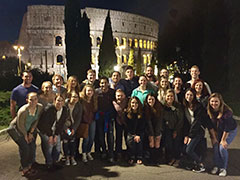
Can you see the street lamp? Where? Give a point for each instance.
(19, 48)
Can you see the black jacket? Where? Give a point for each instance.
(135, 125)
(201, 121)
(47, 119)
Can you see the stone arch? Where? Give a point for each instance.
(58, 41)
(59, 59)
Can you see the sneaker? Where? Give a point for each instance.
(84, 157)
(222, 172)
(89, 156)
(73, 162)
(199, 168)
(214, 170)
(67, 162)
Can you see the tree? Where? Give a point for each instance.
(85, 47)
(131, 58)
(72, 21)
(139, 62)
(107, 55)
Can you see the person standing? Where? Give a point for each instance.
(26, 122)
(51, 125)
(58, 87)
(105, 118)
(225, 128)
(19, 93)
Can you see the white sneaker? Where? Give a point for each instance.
(222, 172)
(89, 156)
(214, 170)
(84, 157)
(67, 162)
(73, 162)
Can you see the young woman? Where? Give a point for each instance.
(46, 96)
(178, 89)
(173, 123)
(135, 126)
(141, 91)
(201, 92)
(72, 85)
(164, 86)
(51, 125)
(26, 122)
(225, 128)
(89, 102)
(153, 116)
(71, 125)
(196, 120)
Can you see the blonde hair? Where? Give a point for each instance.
(223, 106)
(83, 96)
(68, 85)
(46, 83)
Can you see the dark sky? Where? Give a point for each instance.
(11, 11)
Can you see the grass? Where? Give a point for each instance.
(5, 116)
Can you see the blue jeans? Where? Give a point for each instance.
(190, 150)
(27, 151)
(220, 157)
(88, 142)
(50, 152)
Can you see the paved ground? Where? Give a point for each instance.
(101, 170)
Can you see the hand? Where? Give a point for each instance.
(224, 144)
(214, 140)
(185, 140)
(55, 139)
(72, 132)
(151, 141)
(157, 141)
(137, 139)
(26, 139)
(50, 140)
(189, 140)
(30, 137)
(174, 134)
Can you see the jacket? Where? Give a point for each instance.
(47, 119)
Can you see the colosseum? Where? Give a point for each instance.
(43, 36)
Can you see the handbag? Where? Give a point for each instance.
(82, 130)
(130, 140)
(13, 132)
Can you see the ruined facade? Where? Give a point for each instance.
(43, 36)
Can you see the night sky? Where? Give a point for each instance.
(12, 11)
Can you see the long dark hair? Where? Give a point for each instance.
(156, 109)
(139, 110)
(194, 101)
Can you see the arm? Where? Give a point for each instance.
(13, 108)
(78, 116)
(223, 140)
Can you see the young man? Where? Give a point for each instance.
(130, 82)
(19, 93)
(114, 80)
(150, 75)
(91, 79)
(104, 119)
(120, 103)
(177, 86)
(195, 72)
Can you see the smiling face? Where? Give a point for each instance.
(59, 102)
(134, 104)
(91, 77)
(215, 103)
(119, 96)
(32, 100)
(46, 88)
(27, 78)
(199, 87)
(164, 83)
(151, 100)
(142, 81)
(73, 83)
(164, 73)
(149, 72)
(104, 85)
(189, 97)
(129, 74)
(169, 98)
(74, 98)
(58, 81)
(194, 72)
(89, 92)
(177, 82)
(115, 77)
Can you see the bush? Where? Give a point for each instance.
(5, 116)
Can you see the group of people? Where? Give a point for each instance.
(156, 119)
